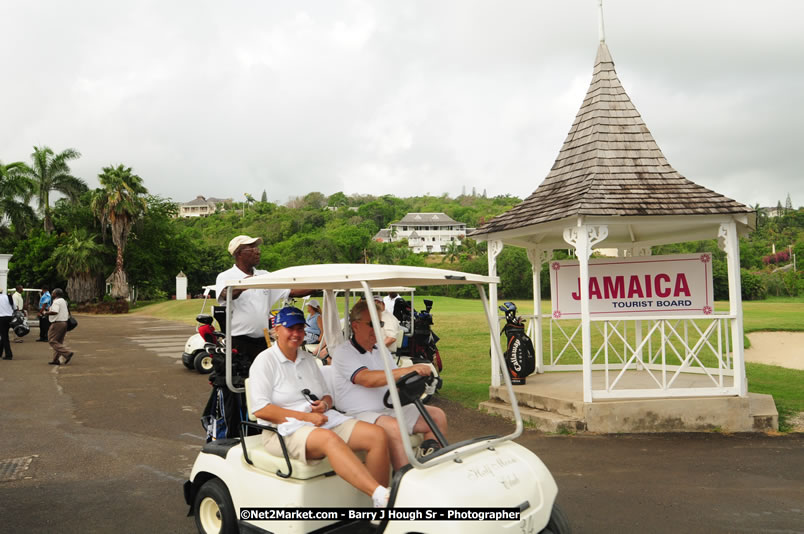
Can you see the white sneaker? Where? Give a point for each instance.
(381, 496)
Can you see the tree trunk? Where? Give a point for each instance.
(83, 287)
(119, 284)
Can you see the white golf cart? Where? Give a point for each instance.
(198, 348)
(231, 475)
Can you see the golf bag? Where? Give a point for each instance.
(19, 323)
(422, 345)
(520, 358)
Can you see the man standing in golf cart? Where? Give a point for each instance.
(360, 385)
(250, 307)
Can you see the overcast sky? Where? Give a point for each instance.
(396, 96)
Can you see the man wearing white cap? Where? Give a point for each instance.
(250, 307)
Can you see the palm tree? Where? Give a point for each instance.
(15, 192)
(79, 261)
(118, 205)
(50, 172)
(451, 252)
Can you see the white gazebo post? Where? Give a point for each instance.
(537, 257)
(494, 247)
(583, 237)
(4, 258)
(729, 242)
(181, 286)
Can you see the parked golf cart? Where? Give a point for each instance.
(200, 346)
(484, 472)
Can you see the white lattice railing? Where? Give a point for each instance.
(658, 356)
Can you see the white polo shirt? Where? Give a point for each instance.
(250, 310)
(60, 306)
(347, 359)
(390, 328)
(274, 379)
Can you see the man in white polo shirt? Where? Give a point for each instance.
(250, 307)
(360, 385)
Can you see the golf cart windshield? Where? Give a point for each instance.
(368, 279)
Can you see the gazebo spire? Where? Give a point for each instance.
(601, 29)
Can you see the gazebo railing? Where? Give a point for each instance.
(654, 356)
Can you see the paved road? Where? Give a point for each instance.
(105, 443)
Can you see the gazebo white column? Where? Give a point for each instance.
(537, 256)
(494, 247)
(728, 240)
(583, 237)
(4, 259)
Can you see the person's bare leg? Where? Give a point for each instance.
(322, 442)
(395, 446)
(373, 440)
(440, 419)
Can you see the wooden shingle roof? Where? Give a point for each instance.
(610, 165)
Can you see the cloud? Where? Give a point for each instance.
(396, 97)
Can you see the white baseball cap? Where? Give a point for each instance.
(241, 240)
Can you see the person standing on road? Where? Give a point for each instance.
(44, 321)
(58, 315)
(6, 312)
(19, 304)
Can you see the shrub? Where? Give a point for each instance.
(753, 287)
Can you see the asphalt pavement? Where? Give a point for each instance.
(105, 443)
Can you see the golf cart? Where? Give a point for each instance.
(199, 347)
(231, 475)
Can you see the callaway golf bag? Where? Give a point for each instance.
(519, 355)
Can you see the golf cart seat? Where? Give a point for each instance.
(264, 460)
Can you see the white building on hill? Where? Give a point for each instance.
(200, 206)
(425, 232)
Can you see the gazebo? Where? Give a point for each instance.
(612, 187)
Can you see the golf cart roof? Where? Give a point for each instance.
(350, 276)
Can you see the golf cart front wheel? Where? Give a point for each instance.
(558, 523)
(203, 362)
(214, 511)
(188, 360)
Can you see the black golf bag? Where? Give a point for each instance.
(422, 345)
(520, 358)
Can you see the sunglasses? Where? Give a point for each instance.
(371, 325)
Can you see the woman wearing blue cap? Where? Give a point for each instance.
(287, 390)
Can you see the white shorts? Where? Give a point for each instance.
(410, 411)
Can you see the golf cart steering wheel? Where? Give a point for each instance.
(411, 386)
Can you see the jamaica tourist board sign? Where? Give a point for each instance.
(680, 284)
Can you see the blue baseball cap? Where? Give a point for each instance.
(289, 316)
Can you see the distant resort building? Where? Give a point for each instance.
(200, 206)
(425, 232)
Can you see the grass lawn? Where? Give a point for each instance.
(464, 345)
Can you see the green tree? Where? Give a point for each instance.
(15, 191)
(337, 200)
(264, 197)
(50, 172)
(79, 260)
(118, 205)
(451, 252)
